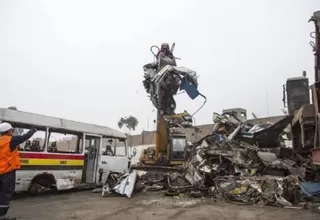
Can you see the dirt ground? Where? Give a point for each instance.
(144, 206)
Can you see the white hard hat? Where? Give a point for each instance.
(5, 127)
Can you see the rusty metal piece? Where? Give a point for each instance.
(315, 89)
(316, 46)
(304, 114)
(303, 128)
(316, 156)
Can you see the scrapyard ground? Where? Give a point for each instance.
(143, 206)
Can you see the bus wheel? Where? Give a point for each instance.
(34, 188)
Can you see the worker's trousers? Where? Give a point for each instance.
(7, 187)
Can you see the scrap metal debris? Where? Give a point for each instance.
(120, 184)
(163, 79)
(237, 162)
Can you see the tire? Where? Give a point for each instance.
(34, 189)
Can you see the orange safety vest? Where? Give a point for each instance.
(9, 160)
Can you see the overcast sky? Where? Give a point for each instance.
(83, 60)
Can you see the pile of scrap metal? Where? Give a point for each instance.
(247, 163)
(237, 162)
(241, 162)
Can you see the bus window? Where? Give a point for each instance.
(64, 143)
(36, 143)
(113, 147)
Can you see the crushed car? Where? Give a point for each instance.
(163, 79)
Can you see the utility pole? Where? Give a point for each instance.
(267, 105)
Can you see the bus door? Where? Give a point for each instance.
(92, 145)
(113, 158)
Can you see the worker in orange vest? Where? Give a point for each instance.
(9, 163)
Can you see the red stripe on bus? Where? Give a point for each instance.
(51, 156)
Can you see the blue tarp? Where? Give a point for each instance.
(310, 189)
(190, 88)
(218, 137)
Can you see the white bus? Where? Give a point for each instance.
(65, 154)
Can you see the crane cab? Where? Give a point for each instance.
(177, 148)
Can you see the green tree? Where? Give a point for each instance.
(121, 122)
(130, 122)
(13, 108)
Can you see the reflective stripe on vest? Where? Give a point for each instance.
(9, 160)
